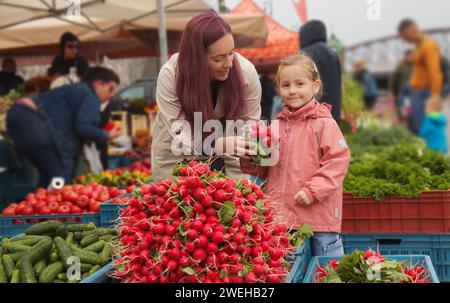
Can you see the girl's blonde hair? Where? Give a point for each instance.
(308, 65)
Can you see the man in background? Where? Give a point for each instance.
(8, 78)
(427, 77)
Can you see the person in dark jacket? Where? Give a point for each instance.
(313, 42)
(105, 117)
(8, 78)
(50, 128)
(69, 57)
(370, 90)
(268, 93)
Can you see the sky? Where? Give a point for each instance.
(348, 18)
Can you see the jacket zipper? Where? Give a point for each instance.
(287, 136)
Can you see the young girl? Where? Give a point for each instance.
(305, 185)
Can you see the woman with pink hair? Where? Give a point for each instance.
(207, 76)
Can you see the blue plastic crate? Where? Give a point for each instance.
(437, 246)
(311, 273)
(109, 212)
(114, 162)
(117, 161)
(100, 276)
(9, 229)
(300, 259)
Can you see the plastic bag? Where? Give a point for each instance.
(92, 156)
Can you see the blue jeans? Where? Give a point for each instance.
(418, 100)
(327, 244)
(32, 136)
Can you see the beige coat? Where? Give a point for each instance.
(163, 159)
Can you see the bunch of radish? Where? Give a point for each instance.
(265, 139)
(201, 227)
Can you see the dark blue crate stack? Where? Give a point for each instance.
(300, 261)
(437, 246)
(117, 161)
(311, 273)
(109, 211)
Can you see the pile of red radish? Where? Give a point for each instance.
(200, 227)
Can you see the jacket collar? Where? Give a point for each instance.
(313, 109)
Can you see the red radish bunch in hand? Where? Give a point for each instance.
(201, 228)
(69, 200)
(265, 141)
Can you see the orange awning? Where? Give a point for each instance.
(281, 42)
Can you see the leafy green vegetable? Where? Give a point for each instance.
(393, 162)
(301, 235)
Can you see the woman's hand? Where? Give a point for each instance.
(235, 146)
(113, 133)
(302, 198)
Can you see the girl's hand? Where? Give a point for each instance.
(247, 166)
(302, 198)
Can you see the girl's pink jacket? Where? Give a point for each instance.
(313, 157)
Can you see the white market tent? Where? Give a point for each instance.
(112, 27)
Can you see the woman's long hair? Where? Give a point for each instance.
(193, 80)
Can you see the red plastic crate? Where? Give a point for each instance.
(429, 213)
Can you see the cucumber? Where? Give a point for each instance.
(13, 247)
(86, 256)
(94, 269)
(84, 276)
(5, 240)
(105, 255)
(69, 238)
(39, 267)
(43, 228)
(78, 235)
(20, 261)
(16, 276)
(96, 247)
(51, 272)
(5, 243)
(81, 227)
(85, 267)
(16, 256)
(106, 238)
(54, 257)
(63, 250)
(28, 239)
(62, 276)
(3, 275)
(88, 240)
(100, 232)
(27, 271)
(61, 232)
(8, 265)
(41, 250)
